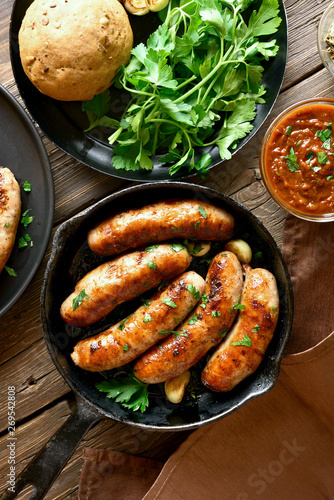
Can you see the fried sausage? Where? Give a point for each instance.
(126, 340)
(203, 328)
(119, 280)
(230, 364)
(10, 209)
(159, 222)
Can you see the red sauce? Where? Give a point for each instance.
(299, 159)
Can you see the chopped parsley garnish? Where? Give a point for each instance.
(299, 143)
(288, 130)
(121, 326)
(192, 320)
(176, 333)
(127, 390)
(197, 224)
(239, 306)
(77, 301)
(151, 248)
(6, 224)
(216, 314)
(192, 249)
(257, 255)
(197, 248)
(322, 158)
(169, 302)
(27, 187)
(147, 318)
(315, 169)
(177, 228)
(126, 348)
(23, 241)
(202, 212)
(177, 247)
(324, 135)
(291, 160)
(151, 264)
(256, 328)
(309, 156)
(273, 308)
(27, 219)
(245, 341)
(10, 271)
(192, 289)
(329, 177)
(223, 333)
(204, 300)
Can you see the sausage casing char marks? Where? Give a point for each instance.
(159, 222)
(122, 279)
(214, 316)
(230, 364)
(10, 210)
(126, 340)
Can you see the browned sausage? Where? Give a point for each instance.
(158, 222)
(119, 280)
(230, 364)
(126, 340)
(202, 329)
(10, 209)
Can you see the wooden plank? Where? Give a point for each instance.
(303, 58)
(36, 381)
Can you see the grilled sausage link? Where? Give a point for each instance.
(126, 340)
(159, 222)
(119, 280)
(230, 364)
(202, 329)
(10, 209)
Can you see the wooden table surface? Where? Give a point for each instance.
(43, 399)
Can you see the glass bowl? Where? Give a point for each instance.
(278, 130)
(327, 19)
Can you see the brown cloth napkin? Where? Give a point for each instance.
(279, 446)
(109, 474)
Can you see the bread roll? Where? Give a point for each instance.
(72, 49)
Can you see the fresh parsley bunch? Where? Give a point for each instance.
(195, 84)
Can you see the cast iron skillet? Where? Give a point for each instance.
(70, 259)
(64, 123)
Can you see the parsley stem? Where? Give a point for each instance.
(193, 77)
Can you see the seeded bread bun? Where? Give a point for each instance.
(71, 49)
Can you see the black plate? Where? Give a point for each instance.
(64, 122)
(71, 258)
(22, 151)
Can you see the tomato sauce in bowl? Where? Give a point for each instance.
(297, 159)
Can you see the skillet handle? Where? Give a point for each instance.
(42, 471)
